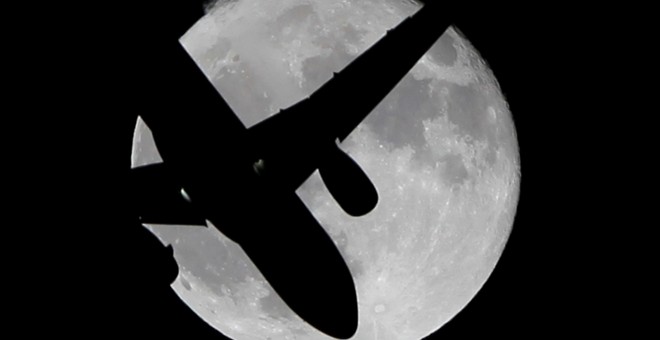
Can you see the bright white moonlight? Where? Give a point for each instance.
(441, 149)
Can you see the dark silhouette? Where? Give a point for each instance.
(98, 273)
(244, 180)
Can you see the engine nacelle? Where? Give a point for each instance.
(347, 182)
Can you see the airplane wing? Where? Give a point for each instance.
(373, 74)
(336, 108)
(308, 130)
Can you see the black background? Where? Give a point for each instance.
(97, 273)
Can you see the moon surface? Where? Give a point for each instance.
(441, 149)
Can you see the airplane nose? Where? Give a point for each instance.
(310, 276)
(335, 310)
(302, 264)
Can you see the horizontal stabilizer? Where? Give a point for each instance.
(158, 199)
(348, 183)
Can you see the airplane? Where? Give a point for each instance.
(243, 181)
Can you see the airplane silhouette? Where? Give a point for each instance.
(205, 177)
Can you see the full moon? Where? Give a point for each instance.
(441, 149)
